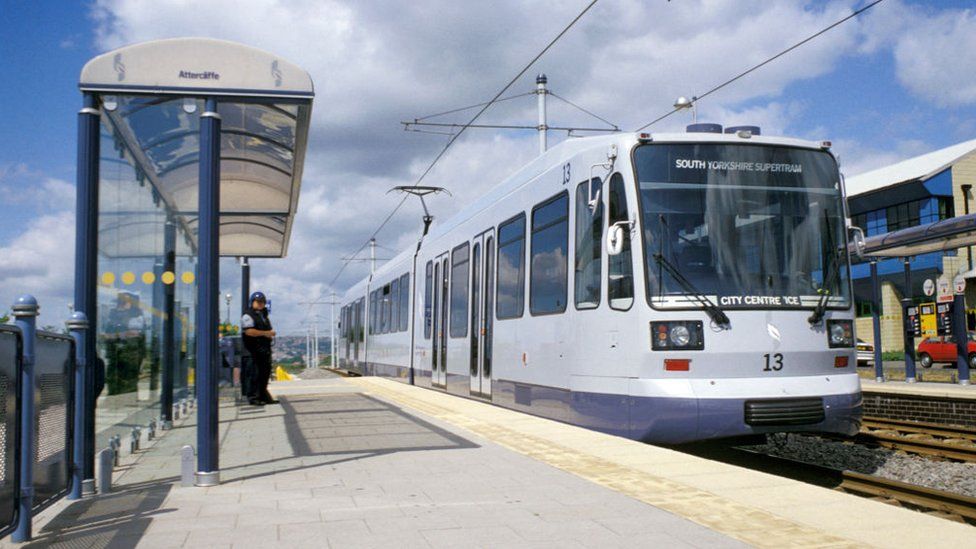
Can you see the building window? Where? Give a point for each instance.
(547, 275)
(459, 291)
(510, 295)
(589, 239)
(904, 215)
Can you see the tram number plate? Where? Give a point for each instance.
(773, 362)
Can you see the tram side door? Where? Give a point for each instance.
(438, 360)
(357, 330)
(482, 312)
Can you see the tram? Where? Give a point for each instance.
(709, 295)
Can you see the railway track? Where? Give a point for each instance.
(927, 439)
(948, 505)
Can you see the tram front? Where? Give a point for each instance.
(753, 235)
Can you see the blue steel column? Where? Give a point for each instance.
(168, 336)
(25, 311)
(960, 332)
(906, 302)
(208, 295)
(876, 321)
(86, 270)
(245, 285)
(78, 325)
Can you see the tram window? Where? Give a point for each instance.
(372, 312)
(620, 268)
(510, 293)
(395, 306)
(459, 290)
(547, 272)
(385, 310)
(427, 284)
(589, 241)
(360, 317)
(404, 302)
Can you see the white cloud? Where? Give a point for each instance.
(40, 261)
(377, 63)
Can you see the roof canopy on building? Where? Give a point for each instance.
(152, 95)
(919, 168)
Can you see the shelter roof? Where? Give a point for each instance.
(152, 95)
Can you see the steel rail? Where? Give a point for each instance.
(923, 498)
(920, 427)
(937, 444)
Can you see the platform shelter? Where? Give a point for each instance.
(189, 149)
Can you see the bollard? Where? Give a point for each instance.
(176, 411)
(78, 325)
(103, 463)
(187, 467)
(151, 429)
(138, 431)
(25, 311)
(133, 440)
(116, 444)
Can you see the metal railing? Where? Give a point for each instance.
(36, 419)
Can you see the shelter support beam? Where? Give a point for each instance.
(168, 328)
(245, 285)
(208, 296)
(86, 273)
(78, 327)
(876, 321)
(907, 329)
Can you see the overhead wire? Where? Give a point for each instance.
(766, 62)
(598, 117)
(458, 134)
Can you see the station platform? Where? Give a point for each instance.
(367, 462)
(921, 389)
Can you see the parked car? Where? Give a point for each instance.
(865, 353)
(943, 349)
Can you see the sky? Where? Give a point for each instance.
(896, 82)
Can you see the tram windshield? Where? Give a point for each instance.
(750, 226)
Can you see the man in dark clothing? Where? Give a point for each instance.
(258, 335)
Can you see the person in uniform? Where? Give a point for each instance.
(258, 336)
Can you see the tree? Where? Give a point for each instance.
(5, 319)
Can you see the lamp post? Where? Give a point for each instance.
(227, 297)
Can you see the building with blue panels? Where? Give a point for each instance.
(916, 191)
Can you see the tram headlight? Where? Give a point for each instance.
(686, 335)
(680, 335)
(840, 333)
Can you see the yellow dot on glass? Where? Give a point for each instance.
(148, 278)
(187, 277)
(168, 277)
(128, 277)
(108, 279)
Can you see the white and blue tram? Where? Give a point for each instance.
(709, 294)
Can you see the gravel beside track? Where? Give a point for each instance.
(941, 475)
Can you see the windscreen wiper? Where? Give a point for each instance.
(717, 315)
(821, 308)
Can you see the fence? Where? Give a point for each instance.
(37, 372)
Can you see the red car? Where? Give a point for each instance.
(943, 349)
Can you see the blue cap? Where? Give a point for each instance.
(258, 296)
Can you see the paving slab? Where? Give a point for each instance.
(339, 465)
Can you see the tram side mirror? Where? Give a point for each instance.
(857, 241)
(615, 239)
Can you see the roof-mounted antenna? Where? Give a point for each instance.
(420, 192)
